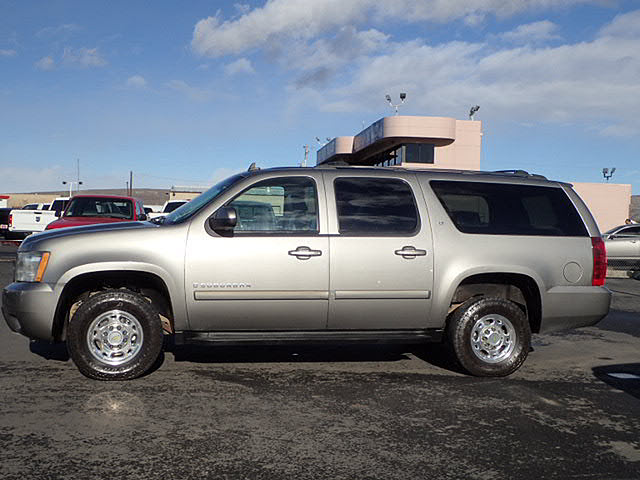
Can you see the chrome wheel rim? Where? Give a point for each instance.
(493, 338)
(115, 337)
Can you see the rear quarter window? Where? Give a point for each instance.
(508, 209)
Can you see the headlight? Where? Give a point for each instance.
(30, 266)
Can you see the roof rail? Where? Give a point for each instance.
(519, 173)
(336, 163)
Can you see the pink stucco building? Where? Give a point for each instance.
(448, 143)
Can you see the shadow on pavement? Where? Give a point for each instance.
(50, 351)
(438, 355)
(434, 354)
(625, 377)
(294, 353)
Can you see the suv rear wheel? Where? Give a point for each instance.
(115, 335)
(490, 337)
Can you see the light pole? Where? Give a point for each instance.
(71, 183)
(395, 106)
(607, 174)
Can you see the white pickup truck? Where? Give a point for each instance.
(29, 221)
(168, 207)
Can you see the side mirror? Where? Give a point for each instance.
(223, 220)
(142, 217)
(58, 213)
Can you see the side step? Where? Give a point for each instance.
(309, 337)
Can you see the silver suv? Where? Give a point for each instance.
(325, 254)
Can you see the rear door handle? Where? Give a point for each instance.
(410, 252)
(305, 253)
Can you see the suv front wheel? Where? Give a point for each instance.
(115, 335)
(490, 337)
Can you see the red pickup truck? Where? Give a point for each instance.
(92, 209)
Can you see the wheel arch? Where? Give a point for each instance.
(148, 284)
(516, 287)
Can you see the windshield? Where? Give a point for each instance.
(189, 209)
(100, 207)
(171, 206)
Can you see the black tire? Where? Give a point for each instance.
(483, 342)
(139, 333)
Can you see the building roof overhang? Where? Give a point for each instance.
(387, 133)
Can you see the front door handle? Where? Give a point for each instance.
(410, 252)
(305, 253)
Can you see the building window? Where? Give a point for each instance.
(419, 153)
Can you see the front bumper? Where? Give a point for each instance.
(29, 309)
(571, 307)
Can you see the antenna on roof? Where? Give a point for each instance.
(252, 167)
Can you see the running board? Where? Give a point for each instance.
(310, 337)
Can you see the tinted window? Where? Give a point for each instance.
(59, 205)
(278, 205)
(100, 207)
(171, 206)
(506, 209)
(629, 231)
(375, 206)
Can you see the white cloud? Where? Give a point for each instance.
(64, 30)
(581, 83)
(242, 65)
(532, 33)
(84, 57)
(594, 81)
(194, 93)
(301, 19)
(625, 25)
(8, 53)
(45, 63)
(621, 131)
(242, 8)
(136, 81)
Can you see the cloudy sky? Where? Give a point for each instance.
(186, 93)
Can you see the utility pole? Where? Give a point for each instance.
(131, 183)
(306, 155)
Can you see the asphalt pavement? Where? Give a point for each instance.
(572, 411)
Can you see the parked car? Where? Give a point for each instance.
(4, 222)
(153, 208)
(168, 207)
(36, 206)
(92, 209)
(24, 222)
(623, 247)
(324, 254)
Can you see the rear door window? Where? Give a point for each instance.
(375, 206)
(508, 209)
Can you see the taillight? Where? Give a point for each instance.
(599, 261)
(10, 220)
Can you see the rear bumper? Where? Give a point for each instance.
(29, 308)
(571, 307)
